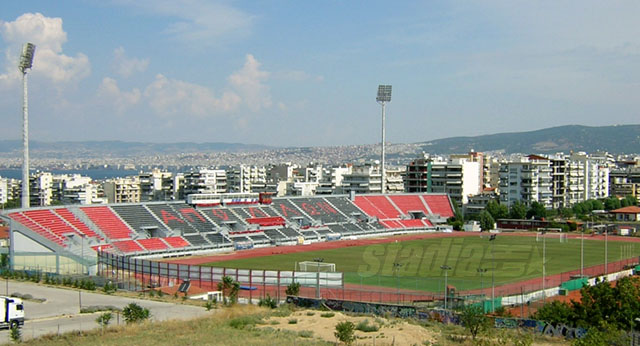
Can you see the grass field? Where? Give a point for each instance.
(416, 264)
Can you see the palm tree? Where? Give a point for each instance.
(229, 288)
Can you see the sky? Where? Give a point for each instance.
(305, 73)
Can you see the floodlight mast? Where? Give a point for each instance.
(26, 61)
(384, 96)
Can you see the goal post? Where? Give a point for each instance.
(312, 266)
(562, 237)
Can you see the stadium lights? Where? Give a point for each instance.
(26, 61)
(384, 96)
(446, 268)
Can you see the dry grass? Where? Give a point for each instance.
(211, 330)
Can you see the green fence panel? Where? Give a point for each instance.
(575, 284)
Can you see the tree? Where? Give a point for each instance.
(497, 211)
(229, 288)
(556, 312)
(134, 313)
(345, 332)
(518, 210)
(611, 203)
(486, 221)
(596, 204)
(474, 320)
(537, 210)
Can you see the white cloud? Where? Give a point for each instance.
(174, 97)
(169, 97)
(249, 81)
(110, 93)
(125, 66)
(49, 60)
(199, 21)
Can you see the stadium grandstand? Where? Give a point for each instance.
(65, 239)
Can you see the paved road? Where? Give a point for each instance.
(60, 311)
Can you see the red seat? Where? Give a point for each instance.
(108, 222)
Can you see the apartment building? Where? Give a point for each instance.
(528, 180)
(123, 190)
(205, 181)
(458, 176)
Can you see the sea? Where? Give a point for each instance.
(96, 174)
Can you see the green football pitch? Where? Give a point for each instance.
(417, 264)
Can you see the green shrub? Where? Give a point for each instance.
(293, 321)
(310, 313)
(293, 289)
(15, 334)
(327, 314)
(244, 321)
(268, 302)
(305, 334)
(133, 313)
(104, 319)
(345, 332)
(364, 326)
(109, 288)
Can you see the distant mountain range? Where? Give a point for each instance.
(126, 149)
(620, 139)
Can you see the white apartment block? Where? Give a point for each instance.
(4, 190)
(459, 176)
(596, 174)
(41, 189)
(245, 178)
(364, 178)
(331, 181)
(567, 179)
(156, 186)
(527, 180)
(123, 190)
(205, 181)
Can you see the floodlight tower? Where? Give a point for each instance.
(26, 61)
(384, 96)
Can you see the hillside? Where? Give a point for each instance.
(621, 139)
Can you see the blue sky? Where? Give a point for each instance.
(305, 73)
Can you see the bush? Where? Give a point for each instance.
(95, 308)
(15, 334)
(364, 326)
(474, 320)
(268, 302)
(293, 289)
(133, 313)
(244, 321)
(109, 288)
(345, 332)
(305, 334)
(327, 314)
(293, 321)
(104, 319)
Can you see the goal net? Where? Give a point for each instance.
(562, 237)
(311, 266)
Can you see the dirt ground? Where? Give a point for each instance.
(394, 332)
